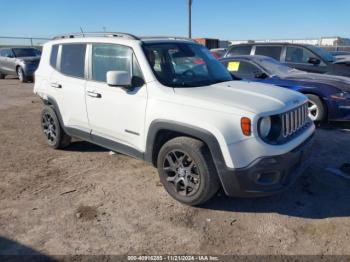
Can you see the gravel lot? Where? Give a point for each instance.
(83, 200)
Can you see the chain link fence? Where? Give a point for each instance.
(22, 41)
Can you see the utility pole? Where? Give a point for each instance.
(189, 19)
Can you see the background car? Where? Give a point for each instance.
(218, 52)
(341, 55)
(329, 96)
(303, 57)
(19, 61)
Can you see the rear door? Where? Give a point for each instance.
(298, 57)
(68, 82)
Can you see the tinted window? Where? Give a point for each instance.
(24, 52)
(185, 65)
(240, 50)
(242, 69)
(2, 52)
(271, 51)
(73, 60)
(297, 54)
(109, 57)
(53, 57)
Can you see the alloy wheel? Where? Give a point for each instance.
(49, 128)
(181, 172)
(313, 110)
(20, 74)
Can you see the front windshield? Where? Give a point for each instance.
(273, 67)
(24, 52)
(185, 65)
(322, 53)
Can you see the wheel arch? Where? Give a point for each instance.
(161, 131)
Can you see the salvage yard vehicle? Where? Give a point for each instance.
(198, 127)
(308, 58)
(19, 61)
(329, 96)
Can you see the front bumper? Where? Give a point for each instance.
(267, 175)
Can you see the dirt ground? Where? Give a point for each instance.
(82, 200)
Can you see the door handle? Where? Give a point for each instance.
(56, 85)
(94, 94)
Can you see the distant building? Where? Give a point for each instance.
(210, 43)
(323, 41)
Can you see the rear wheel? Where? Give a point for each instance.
(2, 76)
(317, 111)
(53, 132)
(187, 171)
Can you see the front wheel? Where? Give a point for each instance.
(317, 112)
(21, 76)
(187, 171)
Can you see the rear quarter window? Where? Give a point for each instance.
(271, 51)
(53, 56)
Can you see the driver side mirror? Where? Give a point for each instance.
(260, 75)
(119, 78)
(314, 61)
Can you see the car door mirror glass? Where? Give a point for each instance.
(119, 78)
(314, 61)
(260, 75)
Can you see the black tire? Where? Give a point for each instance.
(54, 134)
(21, 76)
(317, 110)
(195, 165)
(2, 76)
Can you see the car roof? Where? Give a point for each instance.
(245, 57)
(271, 44)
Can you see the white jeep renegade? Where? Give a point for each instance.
(170, 102)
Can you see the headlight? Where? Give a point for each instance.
(265, 126)
(341, 96)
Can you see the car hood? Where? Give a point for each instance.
(340, 82)
(247, 96)
(343, 59)
(29, 58)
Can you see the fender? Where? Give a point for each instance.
(208, 138)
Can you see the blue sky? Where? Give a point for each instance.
(225, 19)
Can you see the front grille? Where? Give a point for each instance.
(294, 120)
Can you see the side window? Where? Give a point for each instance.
(240, 50)
(2, 52)
(296, 54)
(271, 51)
(110, 57)
(242, 69)
(53, 56)
(73, 60)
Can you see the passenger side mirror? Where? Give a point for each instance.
(10, 56)
(119, 78)
(314, 61)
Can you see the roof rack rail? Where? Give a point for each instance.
(167, 37)
(97, 34)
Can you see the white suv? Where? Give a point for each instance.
(170, 102)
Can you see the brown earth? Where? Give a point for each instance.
(82, 200)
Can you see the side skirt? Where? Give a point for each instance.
(104, 142)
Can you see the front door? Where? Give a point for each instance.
(114, 113)
(298, 57)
